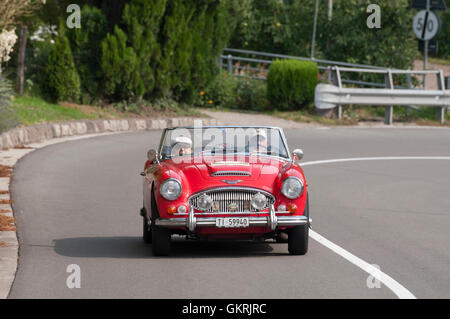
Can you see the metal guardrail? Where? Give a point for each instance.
(256, 64)
(232, 58)
(334, 96)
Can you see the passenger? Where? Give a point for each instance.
(181, 146)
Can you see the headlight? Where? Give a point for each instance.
(258, 201)
(170, 189)
(204, 202)
(292, 187)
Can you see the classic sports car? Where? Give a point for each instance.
(225, 182)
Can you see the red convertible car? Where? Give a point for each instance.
(225, 182)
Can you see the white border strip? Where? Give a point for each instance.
(388, 281)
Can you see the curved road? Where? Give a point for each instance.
(78, 202)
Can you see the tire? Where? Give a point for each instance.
(160, 236)
(299, 235)
(160, 241)
(146, 231)
(298, 240)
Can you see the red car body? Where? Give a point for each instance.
(232, 175)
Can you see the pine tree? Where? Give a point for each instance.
(62, 79)
(120, 66)
(173, 73)
(142, 19)
(86, 50)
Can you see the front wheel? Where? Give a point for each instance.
(298, 240)
(160, 236)
(160, 241)
(146, 232)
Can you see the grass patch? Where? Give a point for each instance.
(33, 110)
(440, 61)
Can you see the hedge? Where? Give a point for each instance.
(291, 83)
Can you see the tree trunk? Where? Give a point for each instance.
(21, 62)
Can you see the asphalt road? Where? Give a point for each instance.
(78, 202)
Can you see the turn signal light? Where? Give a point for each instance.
(171, 209)
(292, 208)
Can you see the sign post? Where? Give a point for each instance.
(426, 26)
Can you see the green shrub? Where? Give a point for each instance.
(291, 83)
(220, 92)
(7, 116)
(229, 91)
(62, 79)
(251, 94)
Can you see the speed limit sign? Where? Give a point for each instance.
(426, 25)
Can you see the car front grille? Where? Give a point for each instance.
(231, 199)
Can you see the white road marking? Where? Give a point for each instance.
(388, 281)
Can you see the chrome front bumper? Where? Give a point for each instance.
(272, 221)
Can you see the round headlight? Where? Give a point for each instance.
(258, 201)
(170, 189)
(204, 202)
(292, 187)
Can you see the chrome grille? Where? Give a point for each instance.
(231, 199)
(230, 173)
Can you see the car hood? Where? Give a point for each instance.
(205, 173)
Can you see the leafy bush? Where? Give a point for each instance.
(220, 92)
(291, 83)
(251, 94)
(62, 79)
(7, 116)
(229, 91)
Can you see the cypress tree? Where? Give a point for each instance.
(62, 79)
(120, 66)
(87, 51)
(142, 19)
(173, 73)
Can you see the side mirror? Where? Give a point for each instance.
(298, 153)
(152, 155)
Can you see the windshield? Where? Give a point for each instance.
(223, 141)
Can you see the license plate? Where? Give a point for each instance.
(232, 222)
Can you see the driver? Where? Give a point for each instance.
(181, 145)
(258, 143)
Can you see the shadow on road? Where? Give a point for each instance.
(133, 247)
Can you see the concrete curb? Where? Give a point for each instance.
(43, 132)
(39, 136)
